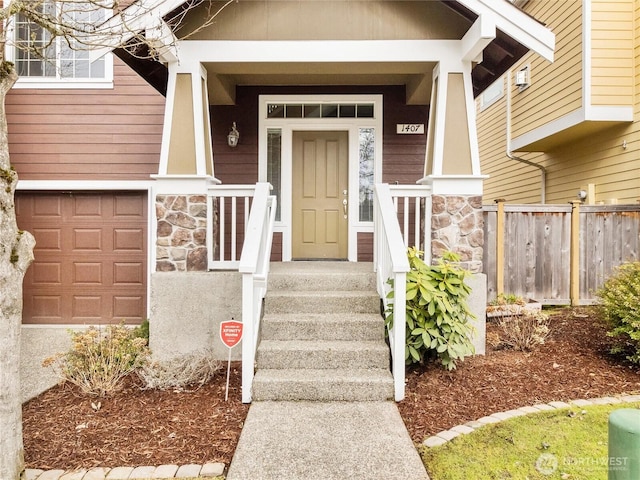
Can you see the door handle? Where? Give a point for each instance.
(344, 207)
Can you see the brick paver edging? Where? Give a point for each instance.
(443, 437)
(129, 473)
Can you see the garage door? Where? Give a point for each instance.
(90, 256)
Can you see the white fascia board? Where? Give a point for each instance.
(164, 41)
(83, 185)
(133, 19)
(481, 34)
(589, 114)
(317, 51)
(517, 24)
(606, 113)
(548, 129)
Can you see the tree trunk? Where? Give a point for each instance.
(16, 254)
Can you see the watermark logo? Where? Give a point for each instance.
(547, 463)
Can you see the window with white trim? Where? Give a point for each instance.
(40, 58)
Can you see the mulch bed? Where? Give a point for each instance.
(573, 363)
(134, 427)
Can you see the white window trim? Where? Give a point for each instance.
(350, 125)
(61, 83)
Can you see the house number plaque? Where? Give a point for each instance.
(410, 128)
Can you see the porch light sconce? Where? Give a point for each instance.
(234, 136)
(523, 79)
(582, 195)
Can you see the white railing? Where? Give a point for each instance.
(391, 239)
(254, 267)
(232, 205)
(414, 217)
(391, 263)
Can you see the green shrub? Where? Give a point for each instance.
(620, 303)
(437, 312)
(142, 330)
(99, 359)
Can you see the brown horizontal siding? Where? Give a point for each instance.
(365, 247)
(87, 134)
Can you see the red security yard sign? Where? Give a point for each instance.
(230, 334)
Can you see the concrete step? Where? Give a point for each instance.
(279, 354)
(323, 326)
(323, 385)
(292, 301)
(314, 276)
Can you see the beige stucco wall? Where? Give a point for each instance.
(331, 20)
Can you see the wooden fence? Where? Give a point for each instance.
(557, 254)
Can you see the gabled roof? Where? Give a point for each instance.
(515, 34)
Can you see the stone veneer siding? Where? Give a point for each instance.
(182, 233)
(457, 225)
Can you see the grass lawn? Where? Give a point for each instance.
(559, 444)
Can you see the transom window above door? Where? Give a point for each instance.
(320, 110)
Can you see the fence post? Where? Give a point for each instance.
(574, 264)
(500, 246)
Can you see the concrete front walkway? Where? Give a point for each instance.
(325, 440)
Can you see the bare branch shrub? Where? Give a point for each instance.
(100, 358)
(195, 369)
(524, 332)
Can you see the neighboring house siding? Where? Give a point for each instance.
(87, 134)
(508, 179)
(556, 88)
(598, 157)
(612, 52)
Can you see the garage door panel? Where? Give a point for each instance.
(44, 309)
(131, 273)
(87, 239)
(47, 239)
(47, 207)
(127, 306)
(47, 273)
(128, 239)
(87, 273)
(87, 206)
(128, 206)
(87, 308)
(90, 257)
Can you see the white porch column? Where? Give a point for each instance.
(452, 166)
(186, 135)
(185, 171)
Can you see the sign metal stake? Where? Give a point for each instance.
(230, 334)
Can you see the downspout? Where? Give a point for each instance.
(510, 155)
